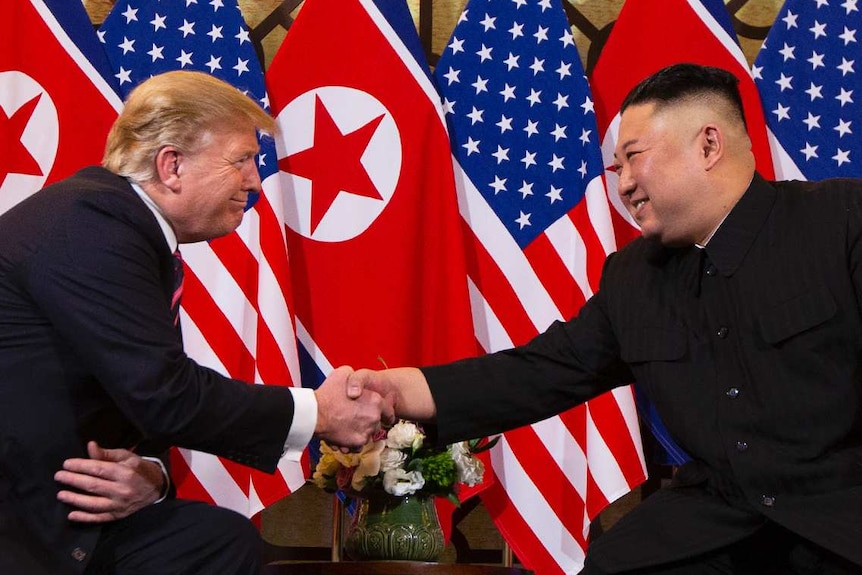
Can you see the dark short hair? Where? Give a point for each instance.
(686, 81)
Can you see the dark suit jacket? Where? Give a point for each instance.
(750, 350)
(88, 351)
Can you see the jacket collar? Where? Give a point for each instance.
(727, 248)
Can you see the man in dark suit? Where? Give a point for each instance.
(738, 313)
(92, 369)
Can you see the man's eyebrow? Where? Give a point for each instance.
(628, 143)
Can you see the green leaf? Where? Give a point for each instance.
(476, 445)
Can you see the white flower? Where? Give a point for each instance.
(399, 482)
(403, 435)
(470, 468)
(383, 464)
(392, 459)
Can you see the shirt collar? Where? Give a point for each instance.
(736, 234)
(166, 228)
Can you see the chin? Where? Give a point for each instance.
(228, 228)
(657, 236)
(672, 242)
(231, 222)
(649, 233)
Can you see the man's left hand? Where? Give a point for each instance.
(112, 484)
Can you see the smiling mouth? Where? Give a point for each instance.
(637, 204)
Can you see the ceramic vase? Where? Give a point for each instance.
(385, 527)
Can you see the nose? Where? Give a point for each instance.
(251, 178)
(625, 183)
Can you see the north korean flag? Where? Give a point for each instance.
(376, 242)
(374, 235)
(56, 98)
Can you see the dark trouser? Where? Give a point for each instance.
(178, 537)
(772, 550)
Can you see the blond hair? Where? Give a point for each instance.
(180, 109)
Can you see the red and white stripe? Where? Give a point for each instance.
(237, 319)
(555, 476)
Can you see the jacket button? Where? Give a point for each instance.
(711, 271)
(722, 332)
(767, 500)
(78, 554)
(732, 393)
(741, 446)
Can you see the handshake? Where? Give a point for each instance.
(352, 405)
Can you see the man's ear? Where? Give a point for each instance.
(712, 145)
(168, 161)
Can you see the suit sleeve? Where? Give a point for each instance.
(566, 365)
(100, 281)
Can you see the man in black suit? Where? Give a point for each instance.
(738, 313)
(92, 369)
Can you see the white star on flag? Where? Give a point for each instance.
(812, 101)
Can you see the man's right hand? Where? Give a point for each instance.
(404, 391)
(347, 421)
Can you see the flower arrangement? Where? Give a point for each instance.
(398, 462)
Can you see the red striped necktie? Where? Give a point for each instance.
(178, 288)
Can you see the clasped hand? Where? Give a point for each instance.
(349, 411)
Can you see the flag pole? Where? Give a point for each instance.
(507, 554)
(337, 521)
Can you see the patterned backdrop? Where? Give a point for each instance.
(435, 19)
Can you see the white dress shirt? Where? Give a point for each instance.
(304, 400)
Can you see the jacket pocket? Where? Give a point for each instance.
(798, 314)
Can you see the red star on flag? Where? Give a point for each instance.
(15, 158)
(333, 163)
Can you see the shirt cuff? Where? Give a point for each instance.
(167, 487)
(303, 424)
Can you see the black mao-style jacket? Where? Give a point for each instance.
(750, 349)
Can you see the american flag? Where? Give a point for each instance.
(524, 132)
(236, 311)
(807, 75)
